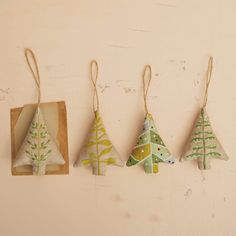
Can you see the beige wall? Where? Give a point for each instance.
(175, 37)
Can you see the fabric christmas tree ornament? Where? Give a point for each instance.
(150, 150)
(203, 144)
(98, 150)
(38, 149)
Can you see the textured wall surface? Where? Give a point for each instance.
(176, 37)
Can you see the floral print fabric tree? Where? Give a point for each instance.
(150, 150)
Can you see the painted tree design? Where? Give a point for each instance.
(203, 144)
(150, 149)
(38, 148)
(98, 150)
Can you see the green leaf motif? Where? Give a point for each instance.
(109, 161)
(105, 142)
(38, 149)
(207, 147)
(90, 144)
(102, 130)
(98, 146)
(105, 151)
(216, 154)
(86, 162)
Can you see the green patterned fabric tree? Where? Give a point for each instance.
(203, 144)
(150, 149)
(98, 150)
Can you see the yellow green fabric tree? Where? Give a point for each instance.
(98, 150)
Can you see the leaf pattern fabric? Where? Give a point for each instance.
(150, 150)
(203, 144)
(98, 150)
(38, 148)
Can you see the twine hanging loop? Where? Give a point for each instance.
(32, 63)
(94, 78)
(208, 80)
(147, 76)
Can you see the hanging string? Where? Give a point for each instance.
(147, 76)
(94, 78)
(32, 63)
(208, 79)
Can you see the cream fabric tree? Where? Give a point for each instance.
(98, 150)
(203, 144)
(38, 148)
